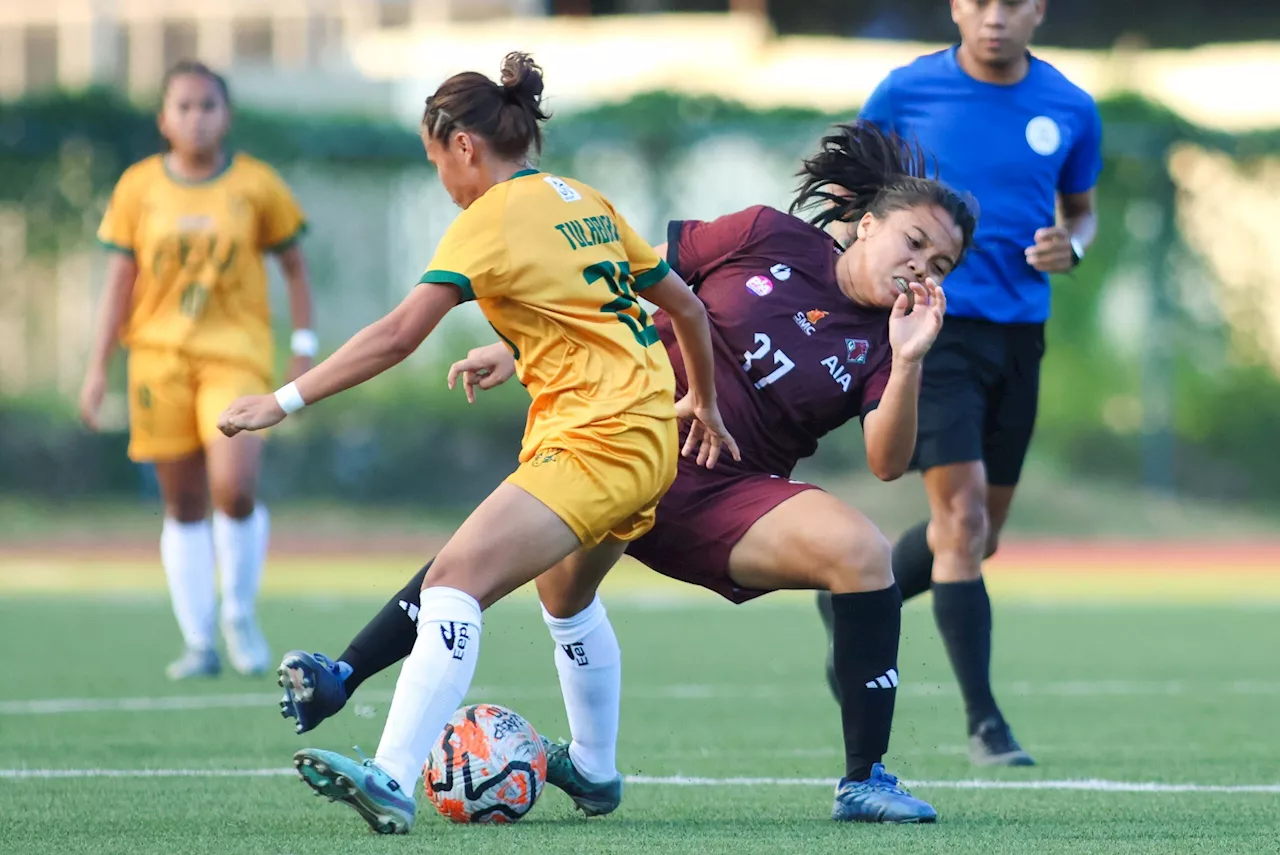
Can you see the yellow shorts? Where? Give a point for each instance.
(604, 480)
(175, 401)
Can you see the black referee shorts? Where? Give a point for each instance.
(978, 397)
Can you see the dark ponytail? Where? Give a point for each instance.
(860, 169)
(507, 115)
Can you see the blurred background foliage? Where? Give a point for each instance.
(1148, 379)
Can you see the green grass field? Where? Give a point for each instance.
(1153, 719)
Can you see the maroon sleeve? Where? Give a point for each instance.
(696, 247)
(873, 389)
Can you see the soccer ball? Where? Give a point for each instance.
(488, 766)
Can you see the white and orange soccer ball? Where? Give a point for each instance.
(488, 766)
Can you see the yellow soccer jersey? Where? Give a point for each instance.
(555, 270)
(202, 284)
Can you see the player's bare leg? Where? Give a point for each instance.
(589, 663)
(186, 551)
(510, 539)
(240, 535)
(814, 541)
(959, 535)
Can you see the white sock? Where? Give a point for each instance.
(433, 681)
(186, 551)
(590, 665)
(241, 546)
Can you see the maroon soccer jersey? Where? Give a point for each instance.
(794, 357)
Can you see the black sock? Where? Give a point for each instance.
(388, 638)
(913, 561)
(866, 629)
(963, 613)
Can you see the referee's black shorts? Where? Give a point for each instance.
(978, 397)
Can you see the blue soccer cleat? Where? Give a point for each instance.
(373, 794)
(879, 799)
(314, 687)
(593, 799)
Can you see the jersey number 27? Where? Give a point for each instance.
(780, 359)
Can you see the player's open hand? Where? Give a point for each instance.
(484, 367)
(707, 433)
(253, 412)
(1052, 250)
(911, 335)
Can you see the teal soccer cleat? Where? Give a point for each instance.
(593, 799)
(879, 799)
(379, 799)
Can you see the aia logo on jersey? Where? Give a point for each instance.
(807, 320)
(857, 350)
(780, 272)
(761, 286)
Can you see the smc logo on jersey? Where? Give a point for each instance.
(761, 286)
(806, 320)
(857, 349)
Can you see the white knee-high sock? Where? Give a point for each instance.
(241, 547)
(589, 662)
(433, 681)
(186, 551)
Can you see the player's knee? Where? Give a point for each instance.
(859, 561)
(962, 529)
(235, 503)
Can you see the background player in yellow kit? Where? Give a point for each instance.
(555, 270)
(186, 293)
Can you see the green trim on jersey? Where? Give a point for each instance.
(448, 277)
(281, 246)
(651, 277)
(115, 247)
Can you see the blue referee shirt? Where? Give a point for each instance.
(1014, 148)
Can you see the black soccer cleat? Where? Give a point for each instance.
(992, 744)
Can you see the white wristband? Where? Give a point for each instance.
(304, 343)
(289, 398)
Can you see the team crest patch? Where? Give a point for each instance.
(550, 455)
(856, 350)
(761, 286)
(815, 315)
(1043, 135)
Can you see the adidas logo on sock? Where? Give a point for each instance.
(887, 680)
(411, 609)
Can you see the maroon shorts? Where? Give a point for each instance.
(702, 517)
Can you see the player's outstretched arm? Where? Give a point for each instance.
(889, 431)
(693, 333)
(377, 347)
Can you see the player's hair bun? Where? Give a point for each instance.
(522, 78)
